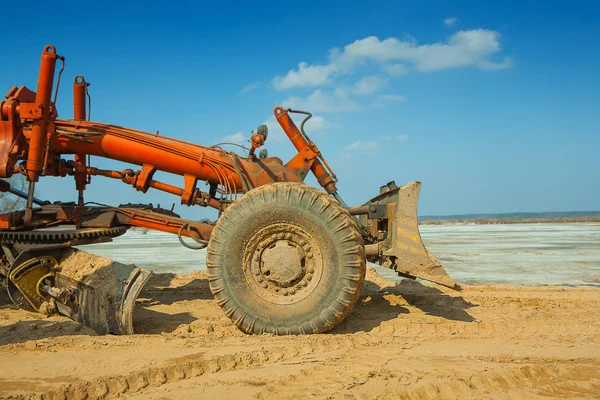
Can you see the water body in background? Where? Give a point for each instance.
(516, 254)
(526, 254)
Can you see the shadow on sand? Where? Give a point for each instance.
(38, 329)
(378, 305)
(162, 289)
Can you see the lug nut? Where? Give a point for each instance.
(264, 285)
(288, 235)
(309, 256)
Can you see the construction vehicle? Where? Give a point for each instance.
(283, 257)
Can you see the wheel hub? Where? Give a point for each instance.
(282, 263)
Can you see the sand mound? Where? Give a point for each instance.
(406, 340)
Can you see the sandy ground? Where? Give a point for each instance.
(403, 340)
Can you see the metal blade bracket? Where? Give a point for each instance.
(403, 249)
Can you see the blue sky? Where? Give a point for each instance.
(492, 106)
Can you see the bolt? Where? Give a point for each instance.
(285, 292)
(309, 256)
(273, 237)
(304, 283)
(307, 249)
(310, 269)
(259, 279)
(308, 276)
(292, 291)
(288, 235)
(302, 242)
(256, 271)
(264, 285)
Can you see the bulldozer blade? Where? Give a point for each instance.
(98, 292)
(403, 250)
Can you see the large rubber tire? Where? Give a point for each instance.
(255, 284)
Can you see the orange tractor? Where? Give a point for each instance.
(283, 257)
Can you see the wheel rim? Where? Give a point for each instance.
(283, 263)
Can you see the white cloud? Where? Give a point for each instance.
(396, 69)
(451, 21)
(362, 147)
(318, 123)
(391, 97)
(250, 87)
(383, 99)
(369, 85)
(475, 48)
(401, 138)
(322, 101)
(464, 48)
(238, 138)
(305, 76)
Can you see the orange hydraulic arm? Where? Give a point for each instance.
(33, 141)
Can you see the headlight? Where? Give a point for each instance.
(263, 130)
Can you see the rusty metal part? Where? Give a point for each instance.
(258, 139)
(202, 244)
(300, 142)
(71, 237)
(80, 90)
(283, 263)
(105, 299)
(102, 299)
(399, 244)
(144, 216)
(169, 155)
(79, 98)
(28, 277)
(41, 119)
